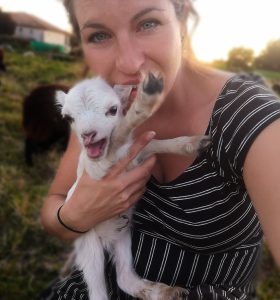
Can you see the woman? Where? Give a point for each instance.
(199, 220)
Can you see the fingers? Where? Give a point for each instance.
(137, 146)
(142, 172)
(134, 198)
(134, 189)
(133, 184)
(130, 201)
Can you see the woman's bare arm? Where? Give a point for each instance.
(64, 179)
(262, 179)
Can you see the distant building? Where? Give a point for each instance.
(32, 28)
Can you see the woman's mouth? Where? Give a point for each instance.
(127, 92)
(133, 93)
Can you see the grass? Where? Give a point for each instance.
(270, 75)
(29, 258)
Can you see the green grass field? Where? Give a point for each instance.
(270, 75)
(29, 258)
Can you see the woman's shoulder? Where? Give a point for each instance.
(245, 106)
(247, 90)
(241, 83)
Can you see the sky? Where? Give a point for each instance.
(224, 24)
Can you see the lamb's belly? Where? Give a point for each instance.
(111, 230)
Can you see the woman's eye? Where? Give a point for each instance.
(98, 37)
(147, 25)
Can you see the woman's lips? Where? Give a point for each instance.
(129, 90)
(135, 81)
(133, 93)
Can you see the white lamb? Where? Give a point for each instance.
(105, 135)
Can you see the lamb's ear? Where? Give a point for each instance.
(60, 98)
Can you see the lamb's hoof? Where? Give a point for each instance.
(204, 143)
(160, 291)
(196, 144)
(175, 293)
(152, 84)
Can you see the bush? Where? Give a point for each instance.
(269, 59)
(17, 44)
(7, 25)
(240, 59)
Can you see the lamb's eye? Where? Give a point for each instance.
(68, 118)
(112, 110)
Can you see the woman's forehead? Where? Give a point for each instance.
(101, 9)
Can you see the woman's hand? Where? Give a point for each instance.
(95, 201)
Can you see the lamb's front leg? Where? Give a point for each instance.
(131, 283)
(90, 259)
(148, 99)
(184, 145)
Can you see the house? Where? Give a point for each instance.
(32, 28)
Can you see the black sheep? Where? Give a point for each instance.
(276, 88)
(42, 122)
(2, 63)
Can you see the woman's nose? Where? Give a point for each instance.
(130, 57)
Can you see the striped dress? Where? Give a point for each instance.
(201, 231)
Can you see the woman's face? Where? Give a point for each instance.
(122, 38)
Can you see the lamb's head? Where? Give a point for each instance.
(93, 109)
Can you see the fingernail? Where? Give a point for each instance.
(151, 134)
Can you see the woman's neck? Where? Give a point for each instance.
(195, 88)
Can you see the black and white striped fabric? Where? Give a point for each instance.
(200, 231)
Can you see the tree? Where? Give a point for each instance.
(7, 25)
(270, 57)
(240, 59)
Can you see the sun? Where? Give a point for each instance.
(226, 24)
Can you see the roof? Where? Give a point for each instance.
(27, 20)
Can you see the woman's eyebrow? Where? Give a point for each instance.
(95, 25)
(91, 24)
(145, 11)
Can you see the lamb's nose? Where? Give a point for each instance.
(88, 136)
